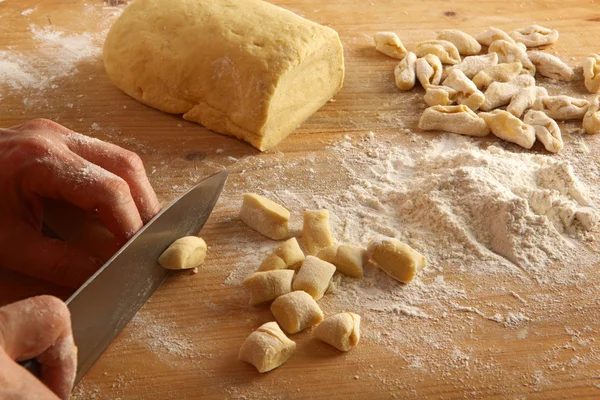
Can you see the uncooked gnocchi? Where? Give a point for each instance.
(525, 99)
(287, 256)
(465, 43)
(341, 331)
(491, 35)
(454, 119)
(267, 348)
(314, 277)
(591, 73)
(265, 216)
(591, 119)
(404, 73)
(510, 128)
(500, 93)
(562, 107)
(472, 65)
(348, 259)
(468, 94)
(397, 259)
(509, 52)
(390, 44)
(551, 66)
(546, 130)
(296, 311)
(440, 96)
(268, 285)
(184, 253)
(534, 35)
(429, 70)
(316, 233)
(443, 49)
(497, 73)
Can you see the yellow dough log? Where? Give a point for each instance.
(245, 68)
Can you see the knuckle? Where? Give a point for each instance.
(41, 124)
(56, 307)
(117, 190)
(131, 162)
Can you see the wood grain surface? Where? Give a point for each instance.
(184, 342)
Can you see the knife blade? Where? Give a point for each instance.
(102, 307)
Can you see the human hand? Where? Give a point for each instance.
(42, 159)
(38, 327)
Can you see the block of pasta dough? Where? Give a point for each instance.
(245, 68)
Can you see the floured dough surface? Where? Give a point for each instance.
(244, 68)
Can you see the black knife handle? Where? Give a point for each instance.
(32, 366)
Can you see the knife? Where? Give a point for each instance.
(114, 294)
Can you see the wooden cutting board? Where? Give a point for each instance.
(184, 342)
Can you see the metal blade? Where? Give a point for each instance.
(114, 294)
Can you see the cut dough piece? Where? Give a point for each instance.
(591, 119)
(497, 73)
(442, 49)
(465, 43)
(591, 73)
(287, 255)
(468, 94)
(472, 65)
(265, 216)
(534, 36)
(454, 119)
(268, 285)
(349, 260)
(510, 128)
(184, 253)
(524, 99)
(314, 277)
(390, 44)
(316, 233)
(562, 107)
(296, 311)
(341, 331)
(501, 93)
(429, 70)
(546, 130)
(267, 347)
(244, 68)
(509, 52)
(551, 66)
(440, 96)
(404, 73)
(396, 259)
(492, 34)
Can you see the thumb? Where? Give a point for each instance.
(27, 251)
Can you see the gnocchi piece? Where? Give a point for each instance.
(491, 35)
(443, 49)
(472, 65)
(551, 66)
(497, 73)
(397, 259)
(510, 128)
(429, 70)
(546, 130)
(404, 73)
(390, 44)
(562, 107)
(296, 311)
(525, 99)
(314, 277)
(534, 36)
(341, 331)
(267, 347)
(591, 73)
(591, 119)
(184, 253)
(440, 96)
(465, 43)
(348, 259)
(501, 93)
(287, 255)
(468, 94)
(454, 119)
(509, 52)
(268, 285)
(265, 216)
(316, 233)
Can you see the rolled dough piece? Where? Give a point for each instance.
(296, 311)
(287, 255)
(314, 277)
(267, 347)
(397, 259)
(184, 253)
(316, 233)
(341, 331)
(268, 285)
(245, 68)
